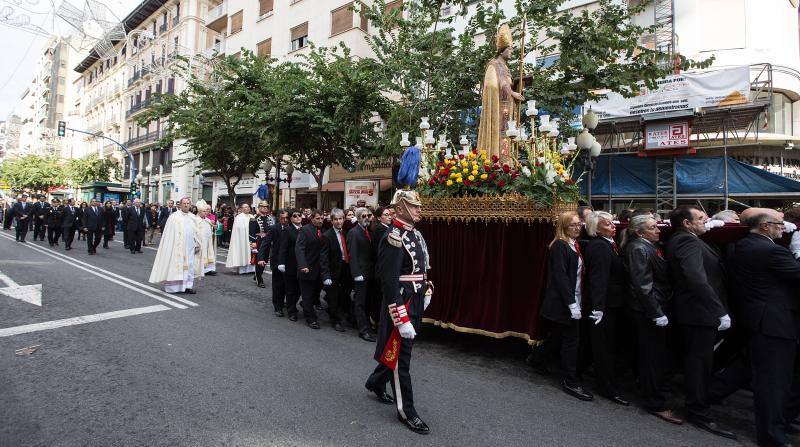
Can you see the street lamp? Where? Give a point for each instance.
(590, 150)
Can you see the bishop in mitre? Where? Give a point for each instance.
(178, 262)
(208, 238)
(498, 100)
(239, 251)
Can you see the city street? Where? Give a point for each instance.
(121, 363)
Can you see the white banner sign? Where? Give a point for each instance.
(355, 190)
(725, 87)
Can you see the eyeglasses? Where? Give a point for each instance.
(775, 223)
(297, 215)
(575, 225)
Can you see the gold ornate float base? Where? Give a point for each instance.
(506, 208)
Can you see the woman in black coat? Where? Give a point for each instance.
(649, 304)
(109, 220)
(562, 300)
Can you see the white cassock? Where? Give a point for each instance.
(239, 248)
(208, 249)
(176, 264)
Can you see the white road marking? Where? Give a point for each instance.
(28, 328)
(30, 294)
(128, 284)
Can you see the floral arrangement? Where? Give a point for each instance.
(541, 177)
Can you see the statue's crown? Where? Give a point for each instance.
(503, 40)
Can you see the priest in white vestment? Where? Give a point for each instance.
(239, 250)
(208, 240)
(178, 261)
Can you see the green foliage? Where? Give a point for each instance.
(32, 172)
(91, 169)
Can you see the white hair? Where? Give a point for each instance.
(593, 219)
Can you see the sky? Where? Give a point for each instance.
(19, 49)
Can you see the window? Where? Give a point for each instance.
(391, 7)
(165, 156)
(342, 19)
(780, 115)
(299, 36)
(264, 7)
(264, 48)
(236, 22)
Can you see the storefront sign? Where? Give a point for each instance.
(687, 91)
(667, 135)
(355, 190)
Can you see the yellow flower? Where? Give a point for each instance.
(471, 155)
(484, 176)
(458, 174)
(449, 183)
(459, 180)
(471, 178)
(453, 175)
(465, 170)
(474, 171)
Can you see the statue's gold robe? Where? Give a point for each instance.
(497, 108)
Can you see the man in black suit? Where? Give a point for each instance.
(767, 277)
(22, 213)
(287, 262)
(362, 262)
(69, 223)
(92, 225)
(268, 251)
(53, 222)
(164, 214)
(40, 213)
(335, 267)
(607, 292)
(700, 303)
(135, 225)
(121, 216)
(309, 250)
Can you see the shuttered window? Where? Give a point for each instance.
(398, 4)
(299, 36)
(341, 19)
(264, 48)
(236, 22)
(264, 6)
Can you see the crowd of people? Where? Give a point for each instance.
(671, 301)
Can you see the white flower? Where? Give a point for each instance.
(526, 171)
(550, 177)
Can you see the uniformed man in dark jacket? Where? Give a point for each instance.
(403, 265)
(53, 221)
(22, 217)
(310, 248)
(268, 252)
(359, 246)
(287, 262)
(69, 222)
(39, 220)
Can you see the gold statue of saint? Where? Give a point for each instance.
(498, 100)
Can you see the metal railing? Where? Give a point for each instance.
(216, 12)
(162, 28)
(175, 20)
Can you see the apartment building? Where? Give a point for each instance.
(122, 88)
(46, 100)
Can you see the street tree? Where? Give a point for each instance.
(32, 172)
(90, 169)
(217, 115)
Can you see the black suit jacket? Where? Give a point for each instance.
(651, 291)
(698, 280)
(163, 215)
(53, 216)
(151, 218)
(766, 278)
(134, 222)
(359, 247)
(270, 246)
(607, 280)
(309, 250)
(24, 216)
(332, 266)
(91, 220)
(40, 210)
(562, 278)
(286, 252)
(377, 235)
(69, 218)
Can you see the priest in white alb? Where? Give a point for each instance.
(239, 250)
(178, 261)
(208, 240)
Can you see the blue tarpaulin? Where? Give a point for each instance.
(636, 176)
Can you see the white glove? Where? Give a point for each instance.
(724, 322)
(428, 296)
(597, 316)
(575, 310)
(282, 268)
(661, 321)
(789, 227)
(713, 223)
(407, 330)
(327, 282)
(359, 278)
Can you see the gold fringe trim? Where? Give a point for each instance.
(526, 337)
(506, 208)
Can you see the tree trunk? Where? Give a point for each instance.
(319, 188)
(276, 199)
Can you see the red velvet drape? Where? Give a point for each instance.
(489, 277)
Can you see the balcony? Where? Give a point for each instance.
(94, 127)
(162, 28)
(217, 49)
(136, 76)
(109, 149)
(175, 21)
(217, 17)
(144, 139)
(138, 107)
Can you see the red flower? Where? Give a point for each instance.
(537, 164)
(444, 172)
(514, 175)
(569, 181)
(506, 169)
(477, 183)
(501, 183)
(467, 182)
(432, 182)
(496, 166)
(493, 176)
(495, 158)
(439, 164)
(487, 168)
(461, 156)
(443, 180)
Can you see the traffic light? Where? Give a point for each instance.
(62, 128)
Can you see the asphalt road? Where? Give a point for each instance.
(219, 369)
